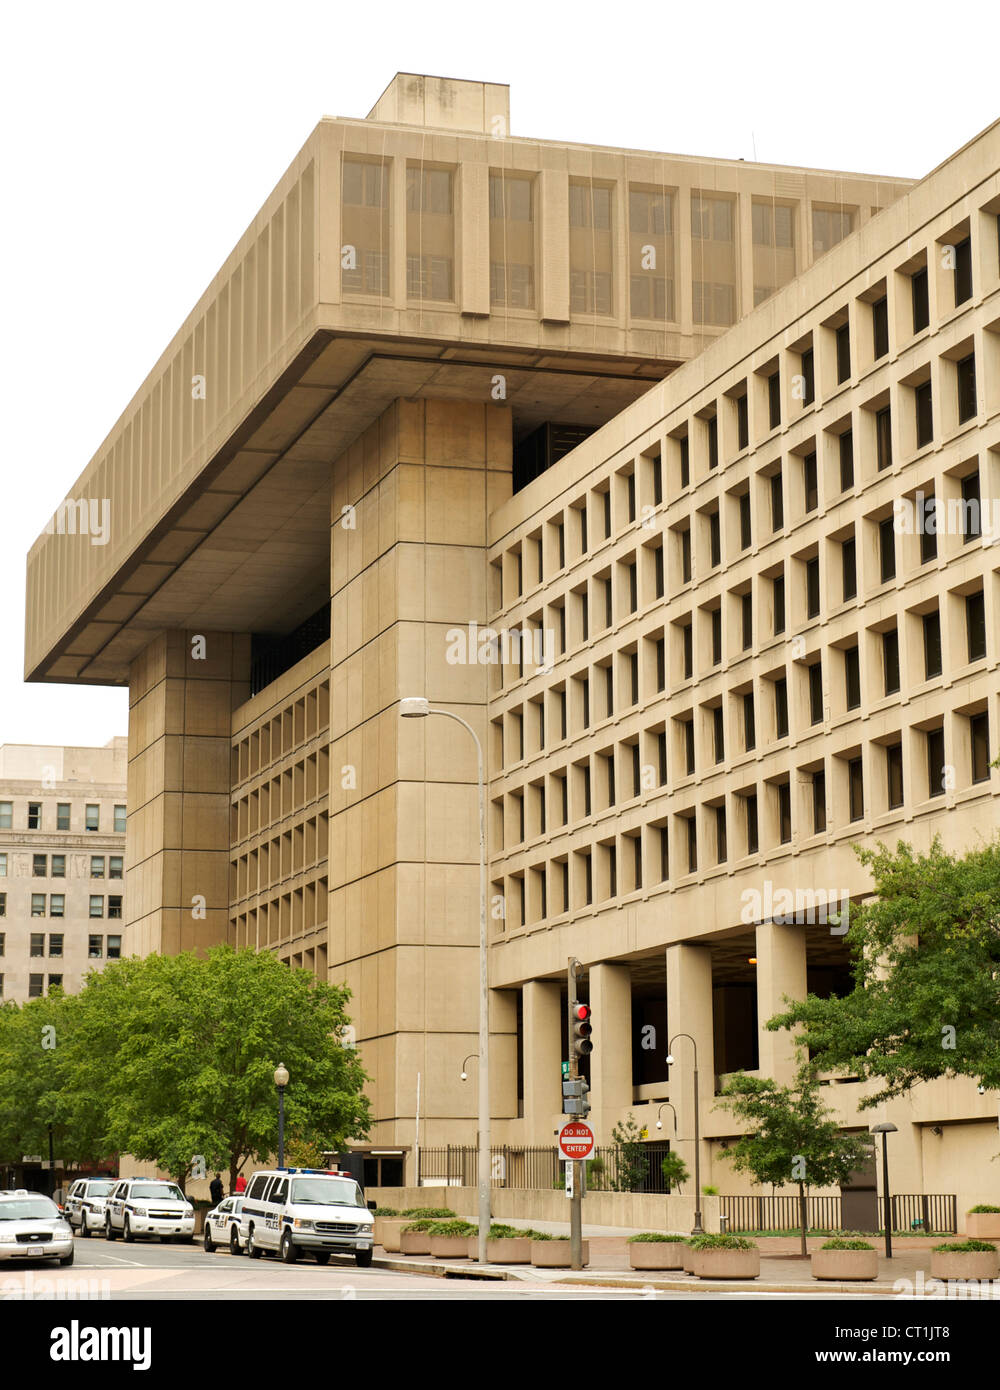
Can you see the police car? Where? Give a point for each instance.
(33, 1228)
(222, 1225)
(86, 1202)
(148, 1207)
(292, 1210)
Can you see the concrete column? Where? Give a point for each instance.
(611, 1063)
(407, 579)
(543, 1049)
(183, 689)
(689, 1010)
(781, 971)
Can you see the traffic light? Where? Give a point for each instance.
(575, 1093)
(580, 1016)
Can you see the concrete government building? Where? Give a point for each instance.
(654, 411)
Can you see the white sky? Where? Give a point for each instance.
(139, 141)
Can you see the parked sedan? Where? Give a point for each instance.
(222, 1226)
(32, 1228)
(86, 1203)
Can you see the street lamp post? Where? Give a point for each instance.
(697, 1228)
(281, 1081)
(418, 707)
(885, 1129)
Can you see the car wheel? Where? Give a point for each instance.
(67, 1259)
(363, 1257)
(109, 1230)
(234, 1241)
(288, 1251)
(253, 1249)
(322, 1257)
(209, 1242)
(127, 1235)
(84, 1228)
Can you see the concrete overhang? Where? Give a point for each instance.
(247, 546)
(215, 483)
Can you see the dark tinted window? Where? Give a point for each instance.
(921, 310)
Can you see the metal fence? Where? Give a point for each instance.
(780, 1213)
(934, 1211)
(916, 1212)
(610, 1169)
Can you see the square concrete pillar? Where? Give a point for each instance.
(781, 972)
(410, 502)
(544, 1047)
(183, 689)
(689, 1010)
(611, 1062)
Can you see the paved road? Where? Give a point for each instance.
(151, 1270)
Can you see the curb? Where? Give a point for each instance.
(472, 1270)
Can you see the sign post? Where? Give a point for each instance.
(576, 1139)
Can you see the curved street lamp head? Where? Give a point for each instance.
(659, 1124)
(281, 1075)
(886, 1127)
(670, 1059)
(414, 707)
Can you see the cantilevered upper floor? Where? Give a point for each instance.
(423, 251)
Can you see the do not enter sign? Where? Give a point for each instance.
(576, 1140)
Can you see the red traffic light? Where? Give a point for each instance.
(581, 1013)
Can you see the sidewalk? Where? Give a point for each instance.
(782, 1269)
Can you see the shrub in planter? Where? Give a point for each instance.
(723, 1257)
(982, 1222)
(967, 1259)
(505, 1245)
(652, 1250)
(414, 1238)
(450, 1239)
(553, 1252)
(845, 1257)
(434, 1213)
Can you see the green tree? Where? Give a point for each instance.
(179, 1054)
(674, 1170)
(632, 1162)
(37, 1083)
(792, 1138)
(926, 997)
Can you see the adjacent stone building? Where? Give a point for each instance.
(62, 864)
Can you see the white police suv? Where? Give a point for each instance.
(222, 1225)
(291, 1210)
(33, 1228)
(148, 1207)
(86, 1202)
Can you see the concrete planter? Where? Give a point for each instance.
(982, 1225)
(656, 1254)
(510, 1250)
(450, 1247)
(555, 1254)
(414, 1243)
(687, 1255)
(725, 1264)
(388, 1229)
(965, 1265)
(845, 1264)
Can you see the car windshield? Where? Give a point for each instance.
(99, 1189)
(28, 1209)
(164, 1191)
(331, 1192)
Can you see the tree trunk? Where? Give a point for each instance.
(803, 1216)
(233, 1166)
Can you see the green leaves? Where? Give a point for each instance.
(926, 1001)
(172, 1056)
